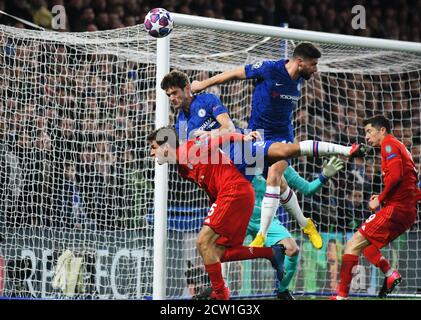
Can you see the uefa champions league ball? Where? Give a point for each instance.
(159, 23)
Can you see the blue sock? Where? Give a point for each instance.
(290, 269)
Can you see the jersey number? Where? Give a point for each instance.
(370, 218)
(212, 209)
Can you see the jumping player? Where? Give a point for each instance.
(274, 99)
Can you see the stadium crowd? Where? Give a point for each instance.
(72, 141)
(385, 19)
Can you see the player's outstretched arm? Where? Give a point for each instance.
(308, 188)
(234, 74)
(232, 137)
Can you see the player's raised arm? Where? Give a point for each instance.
(330, 168)
(234, 74)
(232, 137)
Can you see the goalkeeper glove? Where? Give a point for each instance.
(331, 168)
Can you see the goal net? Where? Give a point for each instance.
(75, 173)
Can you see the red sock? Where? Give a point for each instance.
(374, 256)
(246, 253)
(215, 275)
(348, 262)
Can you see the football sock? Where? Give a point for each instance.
(246, 253)
(374, 256)
(270, 204)
(290, 203)
(215, 275)
(290, 265)
(348, 263)
(319, 148)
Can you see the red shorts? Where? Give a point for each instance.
(230, 214)
(387, 224)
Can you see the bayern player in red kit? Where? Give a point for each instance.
(398, 202)
(231, 194)
(232, 198)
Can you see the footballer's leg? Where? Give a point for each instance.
(290, 203)
(206, 245)
(278, 234)
(281, 151)
(270, 202)
(350, 259)
(392, 276)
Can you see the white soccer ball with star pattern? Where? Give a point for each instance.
(159, 23)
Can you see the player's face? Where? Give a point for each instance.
(373, 135)
(160, 153)
(178, 97)
(306, 67)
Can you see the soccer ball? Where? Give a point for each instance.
(159, 23)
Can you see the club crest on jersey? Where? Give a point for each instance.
(257, 65)
(201, 113)
(388, 149)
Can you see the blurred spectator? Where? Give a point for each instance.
(92, 111)
(71, 213)
(395, 20)
(355, 210)
(41, 15)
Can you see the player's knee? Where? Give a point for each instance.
(202, 243)
(284, 151)
(350, 247)
(284, 185)
(292, 250)
(295, 250)
(275, 177)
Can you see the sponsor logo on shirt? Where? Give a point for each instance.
(285, 96)
(208, 124)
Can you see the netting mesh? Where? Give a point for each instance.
(75, 112)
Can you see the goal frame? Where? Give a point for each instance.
(162, 115)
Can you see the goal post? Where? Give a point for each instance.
(75, 110)
(161, 175)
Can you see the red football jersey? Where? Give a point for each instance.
(201, 161)
(399, 174)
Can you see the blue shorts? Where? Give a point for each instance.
(250, 157)
(274, 138)
(276, 232)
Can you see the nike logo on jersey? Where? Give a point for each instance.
(279, 84)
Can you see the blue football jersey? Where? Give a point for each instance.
(274, 99)
(204, 109)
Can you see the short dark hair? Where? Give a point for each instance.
(176, 79)
(306, 50)
(378, 122)
(164, 135)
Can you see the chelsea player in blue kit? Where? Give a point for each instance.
(274, 99)
(202, 112)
